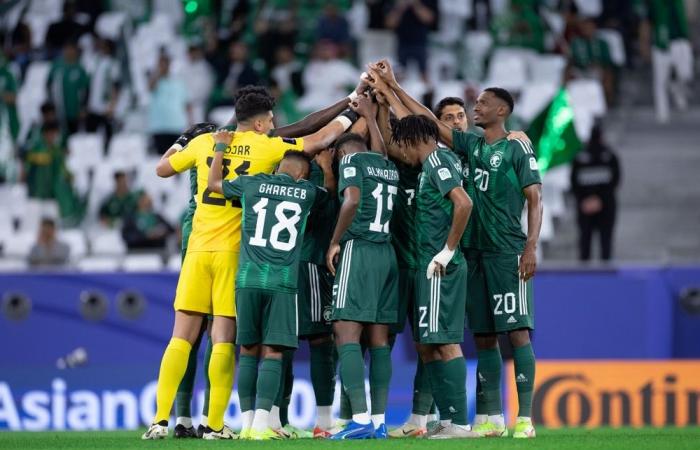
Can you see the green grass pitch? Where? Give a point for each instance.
(618, 439)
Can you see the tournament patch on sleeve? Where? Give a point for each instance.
(533, 163)
(444, 174)
(290, 141)
(349, 172)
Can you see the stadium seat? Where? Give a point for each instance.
(99, 264)
(534, 98)
(588, 102)
(20, 244)
(589, 8)
(76, 240)
(107, 242)
(86, 150)
(30, 213)
(508, 68)
(13, 265)
(477, 46)
(142, 263)
(547, 69)
(221, 115)
(128, 146)
(174, 263)
(110, 24)
(616, 45)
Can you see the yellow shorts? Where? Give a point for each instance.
(207, 283)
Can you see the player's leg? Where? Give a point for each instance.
(223, 332)
(512, 307)
(322, 362)
(247, 379)
(489, 420)
(207, 385)
(279, 333)
(183, 398)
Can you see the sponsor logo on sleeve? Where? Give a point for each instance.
(444, 174)
(533, 163)
(349, 172)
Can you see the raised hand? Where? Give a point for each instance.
(364, 107)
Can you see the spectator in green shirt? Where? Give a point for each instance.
(44, 163)
(68, 85)
(521, 26)
(121, 203)
(590, 56)
(145, 228)
(8, 114)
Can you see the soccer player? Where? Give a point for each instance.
(501, 257)
(365, 290)
(206, 283)
(503, 175)
(276, 208)
(443, 209)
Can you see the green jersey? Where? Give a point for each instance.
(377, 179)
(8, 111)
(495, 176)
(442, 172)
(403, 223)
(275, 209)
(668, 20)
(68, 85)
(319, 228)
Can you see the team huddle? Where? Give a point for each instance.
(339, 229)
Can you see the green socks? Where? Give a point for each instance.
(247, 376)
(268, 385)
(436, 374)
(455, 371)
(488, 377)
(422, 395)
(524, 363)
(352, 374)
(379, 377)
(323, 372)
(207, 382)
(286, 386)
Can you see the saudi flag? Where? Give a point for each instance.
(553, 133)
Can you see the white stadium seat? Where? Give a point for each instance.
(547, 69)
(143, 263)
(221, 115)
(107, 242)
(85, 150)
(616, 45)
(20, 244)
(76, 240)
(174, 263)
(534, 98)
(508, 68)
(128, 146)
(110, 24)
(13, 265)
(99, 264)
(588, 102)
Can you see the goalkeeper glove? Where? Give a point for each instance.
(194, 131)
(443, 258)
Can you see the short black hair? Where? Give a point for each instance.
(447, 101)
(503, 95)
(299, 156)
(251, 101)
(47, 107)
(48, 221)
(348, 138)
(413, 130)
(119, 174)
(50, 125)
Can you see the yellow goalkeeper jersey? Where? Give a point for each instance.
(216, 225)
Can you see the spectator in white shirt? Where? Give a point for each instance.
(326, 77)
(199, 77)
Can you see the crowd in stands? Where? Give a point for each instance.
(93, 91)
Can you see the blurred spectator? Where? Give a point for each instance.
(326, 78)
(200, 81)
(287, 71)
(237, 73)
(590, 55)
(413, 20)
(68, 85)
(8, 97)
(169, 109)
(333, 26)
(34, 135)
(520, 26)
(275, 25)
(664, 31)
(48, 251)
(66, 30)
(145, 229)
(595, 176)
(20, 47)
(44, 162)
(105, 85)
(121, 203)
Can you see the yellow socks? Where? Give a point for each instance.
(172, 369)
(221, 367)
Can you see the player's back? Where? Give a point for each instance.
(275, 210)
(377, 179)
(216, 223)
(403, 222)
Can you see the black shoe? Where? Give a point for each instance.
(182, 432)
(200, 430)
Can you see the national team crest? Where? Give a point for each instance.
(496, 159)
(327, 313)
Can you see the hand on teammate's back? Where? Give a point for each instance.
(223, 137)
(513, 135)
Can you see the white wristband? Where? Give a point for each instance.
(177, 147)
(344, 121)
(353, 96)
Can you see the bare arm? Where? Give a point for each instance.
(215, 179)
(365, 108)
(528, 261)
(351, 200)
(164, 169)
(423, 13)
(460, 216)
(313, 122)
(323, 138)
